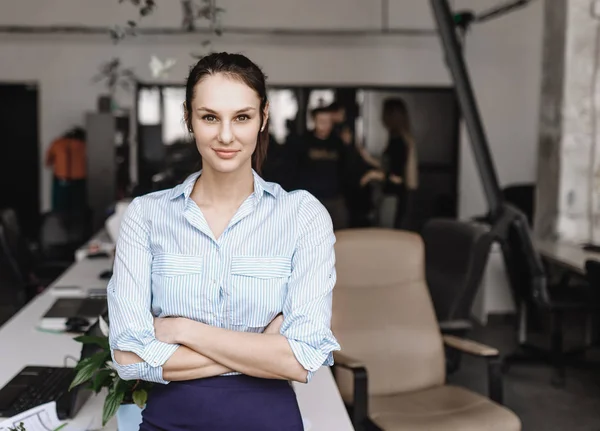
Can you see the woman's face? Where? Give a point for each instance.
(387, 118)
(225, 119)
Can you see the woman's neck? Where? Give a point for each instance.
(223, 189)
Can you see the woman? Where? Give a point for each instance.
(399, 159)
(222, 285)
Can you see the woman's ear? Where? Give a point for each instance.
(265, 117)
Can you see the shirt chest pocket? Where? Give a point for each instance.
(177, 284)
(259, 285)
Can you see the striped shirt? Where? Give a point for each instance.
(276, 255)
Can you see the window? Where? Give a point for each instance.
(283, 107)
(149, 106)
(174, 127)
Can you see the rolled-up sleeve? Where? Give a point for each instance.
(129, 302)
(307, 307)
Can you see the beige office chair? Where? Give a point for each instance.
(391, 369)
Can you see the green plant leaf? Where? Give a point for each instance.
(83, 363)
(92, 365)
(83, 375)
(98, 358)
(140, 397)
(111, 405)
(90, 339)
(103, 378)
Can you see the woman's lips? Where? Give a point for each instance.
(226, 154)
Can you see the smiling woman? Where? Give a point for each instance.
(222, 285)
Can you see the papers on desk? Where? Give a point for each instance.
(40, 418)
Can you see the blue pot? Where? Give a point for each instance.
(129, 417)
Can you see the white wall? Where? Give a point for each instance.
(503, 55)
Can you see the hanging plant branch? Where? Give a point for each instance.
(115, 75)
(200, 10)
(145, 8)
(195, 11)
(112, 72)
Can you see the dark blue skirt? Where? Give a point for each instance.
(223, 403)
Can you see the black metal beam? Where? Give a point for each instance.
(509, 224)
(468, 104)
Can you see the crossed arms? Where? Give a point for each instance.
(292, 347)
(206, 351)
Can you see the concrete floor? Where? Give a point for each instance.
(528, 392)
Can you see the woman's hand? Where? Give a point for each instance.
(169, 329)
(396, 179)
(275, 326)
(372, 175)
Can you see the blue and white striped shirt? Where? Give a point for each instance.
(276, 255)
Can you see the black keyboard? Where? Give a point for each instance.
(34, 386)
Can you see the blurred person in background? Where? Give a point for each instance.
(341, 127)
(399, 161)
(66, 156)
(322, 166)
(357, 172)
(281, 163)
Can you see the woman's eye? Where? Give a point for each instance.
(209, 118)
(243, 118)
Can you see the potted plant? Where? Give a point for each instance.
(125, 398)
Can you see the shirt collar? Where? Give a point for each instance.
(185, 188)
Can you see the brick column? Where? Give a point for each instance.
(568, 204)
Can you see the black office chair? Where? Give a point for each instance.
(571, 294)
(62, 233)
(34, 270)
(456, 254)
(521, 196)
(13, 289)
(592, 274)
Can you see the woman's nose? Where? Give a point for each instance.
(225, 133)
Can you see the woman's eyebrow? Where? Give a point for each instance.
(246, 109)
(203, 108)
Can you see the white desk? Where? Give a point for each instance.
(320, 401)
(571, 256)
(101, 240)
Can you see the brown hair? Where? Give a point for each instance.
(398, 106)
(239, 67)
